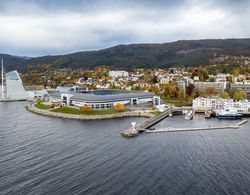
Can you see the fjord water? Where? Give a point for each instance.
(44, 155)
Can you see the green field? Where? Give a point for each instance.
(42, 106)
(156, 113)
(69, 110)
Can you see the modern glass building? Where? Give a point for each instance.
(14, 89)
(105, 99)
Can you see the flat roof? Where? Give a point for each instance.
(92, 97)
(110, 97)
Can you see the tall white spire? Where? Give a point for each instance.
(2, 80)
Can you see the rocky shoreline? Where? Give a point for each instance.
(35, 110)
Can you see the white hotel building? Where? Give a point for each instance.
(215, 103)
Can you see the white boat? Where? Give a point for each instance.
(228, 113)
(189, 115)
(162, 107)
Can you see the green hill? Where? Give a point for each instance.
(12, 62)
(185, 52)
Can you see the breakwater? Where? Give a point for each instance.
(132, 132)
(144, 127)
(35, 110)
(234, 126)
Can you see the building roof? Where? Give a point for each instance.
(86, 97)
(13, 75)
(104, 95)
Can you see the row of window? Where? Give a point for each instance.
(101, 106)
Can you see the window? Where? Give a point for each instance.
(64, 99)
(109, 106)
(134, 101)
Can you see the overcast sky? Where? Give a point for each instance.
(42, 27)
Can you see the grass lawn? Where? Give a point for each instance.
(69, 110)
(42, 106)
(156, 113)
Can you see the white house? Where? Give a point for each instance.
(116, 74)
(215, 103)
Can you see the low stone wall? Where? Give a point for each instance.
(33, 109)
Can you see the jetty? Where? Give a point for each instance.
(144, 126)
(134, 131)
(235, 126)
(152, 121)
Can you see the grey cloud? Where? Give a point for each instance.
(38, 27)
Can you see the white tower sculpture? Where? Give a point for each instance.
(3, 82)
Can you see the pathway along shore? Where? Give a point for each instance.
(32, 108)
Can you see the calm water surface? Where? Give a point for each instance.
(43, 155)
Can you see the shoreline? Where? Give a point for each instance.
(35, 110)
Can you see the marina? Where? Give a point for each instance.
(145, 126)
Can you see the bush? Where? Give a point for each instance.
(53, 105)
(86, 108)
(119, 107)
(63, 107)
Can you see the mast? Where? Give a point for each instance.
(2, 80)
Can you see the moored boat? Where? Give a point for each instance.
(189, 115)
(228, 113)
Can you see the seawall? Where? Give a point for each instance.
(35, 110)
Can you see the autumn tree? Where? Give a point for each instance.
(210, 91)
(235, 71)
(190, 89)
(238, 95)
(230, 79)
(201, 73)
(224, 95)
(119, 107)
(86, 108)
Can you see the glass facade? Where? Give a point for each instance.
(14, 87)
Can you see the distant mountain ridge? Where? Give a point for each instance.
(184, 52)
(11, 61)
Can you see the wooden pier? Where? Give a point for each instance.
(152, 121)
(144, 125)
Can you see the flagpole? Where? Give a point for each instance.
(2, 80)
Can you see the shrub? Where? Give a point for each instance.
(119, 107)
(63, 107)
(86, 108)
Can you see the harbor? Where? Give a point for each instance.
(234, 126)
(144, 127)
